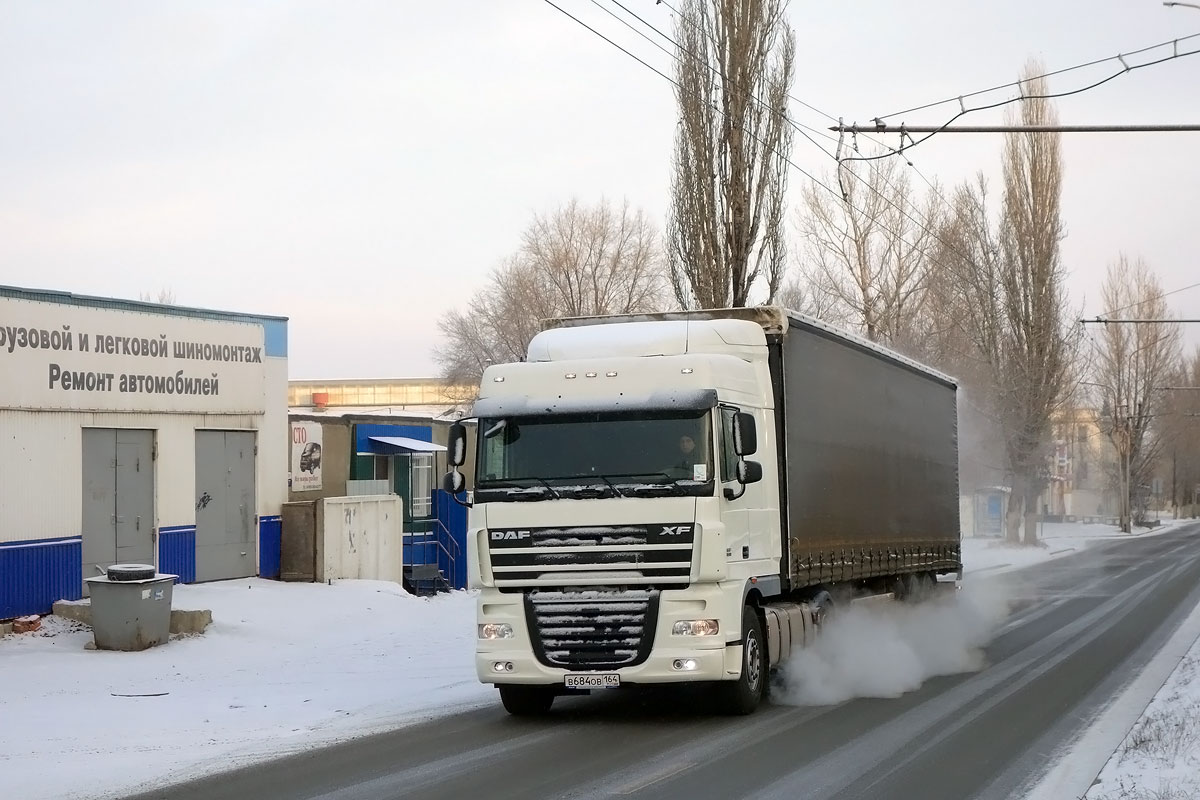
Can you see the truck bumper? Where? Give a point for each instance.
(712, 658)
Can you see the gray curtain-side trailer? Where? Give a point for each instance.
(869, 466)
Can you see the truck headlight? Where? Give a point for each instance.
(495, 630)
(696, 627)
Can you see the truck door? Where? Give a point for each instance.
(734, 513)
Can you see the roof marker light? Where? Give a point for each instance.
(569, 375)
(686, 370)
(589, 374)
(499, 379)
(610, 374)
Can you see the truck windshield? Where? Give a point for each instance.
(642, 454)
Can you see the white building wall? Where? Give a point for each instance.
(41, 466)
(273, 445)
(69, 363)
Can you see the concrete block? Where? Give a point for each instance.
(190, 621)
(5, 628)
(182, 621)
(74, 610)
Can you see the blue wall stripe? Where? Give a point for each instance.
(177, 552)
(33, 575)
(275, 338)
(270, 535)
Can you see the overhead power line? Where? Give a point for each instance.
(906, 129)
(1113, 311)
(800, 128)
(1160, 321)
(1126, 68)
(1016, 84)
(648, 66)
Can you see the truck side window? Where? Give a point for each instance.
(728, 457)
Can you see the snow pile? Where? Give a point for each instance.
(284, 667)
(887, 649)
(1160, 757)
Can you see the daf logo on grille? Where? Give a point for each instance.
(676, 530)
(502, 536)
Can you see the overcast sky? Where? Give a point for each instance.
(360, 167)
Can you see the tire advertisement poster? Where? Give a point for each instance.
(306, 456)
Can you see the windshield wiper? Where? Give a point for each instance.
(612, 486)
(659, 489)
(546, 489)
(607, 476)
(549, 488)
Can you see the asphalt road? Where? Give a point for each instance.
(1080, 629)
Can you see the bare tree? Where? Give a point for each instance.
(1010, 283)
(1181, 435)
(801, 294)
(730, 167)
(1132, 363)
(579, 260)
(871, 251)
(163, 296)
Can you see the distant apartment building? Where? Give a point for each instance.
(1082, 468)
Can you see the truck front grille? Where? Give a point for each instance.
(582, 556)
(593, 629)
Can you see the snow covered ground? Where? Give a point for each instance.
(287, 667)
(1160, 757)
(995, 555)
(283, 667)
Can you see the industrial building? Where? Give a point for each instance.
(372, 437)
(136, 432)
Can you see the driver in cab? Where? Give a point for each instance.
(690, 463)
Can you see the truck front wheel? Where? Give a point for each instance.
(742, 696)
(526, 701)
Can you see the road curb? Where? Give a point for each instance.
(1078, 768)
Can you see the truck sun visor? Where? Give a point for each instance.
(686, 399)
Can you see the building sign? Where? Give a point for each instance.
(77, 358)
(306, 456)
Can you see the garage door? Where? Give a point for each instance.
(118, 498)
(225, 505)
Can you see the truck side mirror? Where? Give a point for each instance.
(749, 472)
(453, 482)
(745, 472)
(745, 435)
(457, 445)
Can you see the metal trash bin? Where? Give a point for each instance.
(131, 607)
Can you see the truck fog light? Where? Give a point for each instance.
(495, 630)
(696, 627)
(502, 666)
(684, 664)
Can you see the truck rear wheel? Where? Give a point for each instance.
(742, 696)
(526, 701)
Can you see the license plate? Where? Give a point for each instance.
(592, 681)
